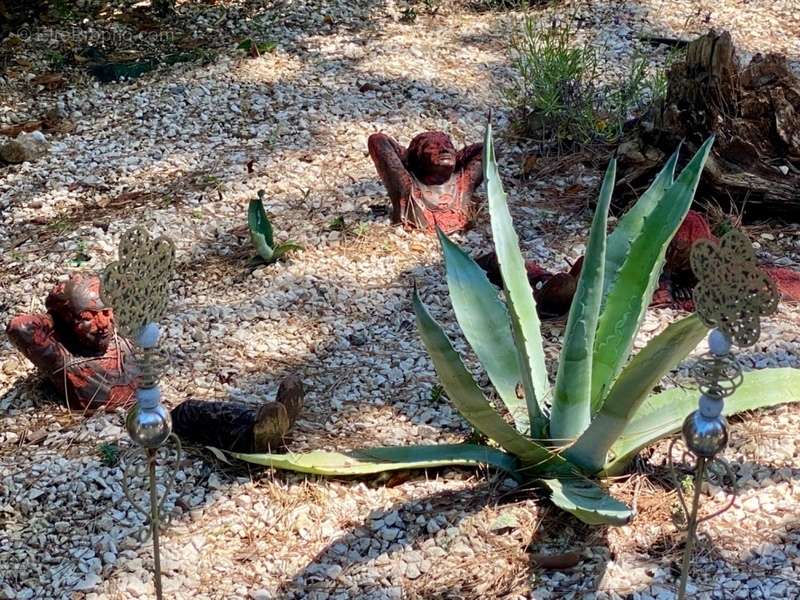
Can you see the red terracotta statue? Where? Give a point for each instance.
(677, 279)
(430, 184)
(75, 346)
(554, 292)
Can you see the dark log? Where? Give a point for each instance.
(754, 112)
(239, 427)
(657, 40)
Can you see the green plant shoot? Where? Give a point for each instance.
(262, 236)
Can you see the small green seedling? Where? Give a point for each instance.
(261, 234)
(436, 394)
(336, 224)
(361, 229)
(81, 257)
(256, 49)
(55, 59)
(109, 454)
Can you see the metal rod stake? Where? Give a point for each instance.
(691, 530)
(154, 521)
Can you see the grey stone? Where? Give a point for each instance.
(333, 571)
(87, 583)
(412, 571)
(26, 147)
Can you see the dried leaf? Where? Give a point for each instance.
(14, 130)
(218, 454)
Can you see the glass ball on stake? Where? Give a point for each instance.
(136, 287)
(731, 296)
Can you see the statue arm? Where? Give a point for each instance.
(469, 164)
(469, 154)
(390, 162)
(34, 336)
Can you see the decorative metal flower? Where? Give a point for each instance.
(136, 286)
(732, 293)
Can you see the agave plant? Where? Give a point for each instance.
(600, 412)
(261, 234)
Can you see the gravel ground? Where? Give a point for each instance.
(173, 151)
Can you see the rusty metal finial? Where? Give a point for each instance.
(731, 297)
(137, 288)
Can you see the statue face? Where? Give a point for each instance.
(93, 328)
(432, 157)
(83, 322)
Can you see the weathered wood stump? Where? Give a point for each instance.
(754, 112)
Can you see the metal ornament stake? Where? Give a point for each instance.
(136, 287)
(731, 297)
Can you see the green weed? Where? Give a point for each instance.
(336, 224)
(553, 94)
(554, 98)
(109, 454)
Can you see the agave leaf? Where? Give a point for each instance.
(571, 411)
(260, 228)
(632, 290)
(468, 397)
(634, 384)
(630, 225)
(282, 249)
(484, 320)
(265, 252)
(378, 460)
(587, 501)
(519, 295)
(663, 414)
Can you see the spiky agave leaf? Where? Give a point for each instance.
(468, 397)
(634, 384)
(389, 458)
(630, 293)
(663, 414)
(587, 501)
(519, 295)
(571, 411)
(260, 228)
(485, 322)
(630, 225)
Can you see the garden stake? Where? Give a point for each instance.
(136, 287)
(731, 297)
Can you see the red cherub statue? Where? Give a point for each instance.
(553, 292)
(430, 184)
(74, 344)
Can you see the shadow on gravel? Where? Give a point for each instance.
(449, 545)
(760, 568)
(75, 491)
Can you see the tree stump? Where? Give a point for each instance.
(754, 112)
